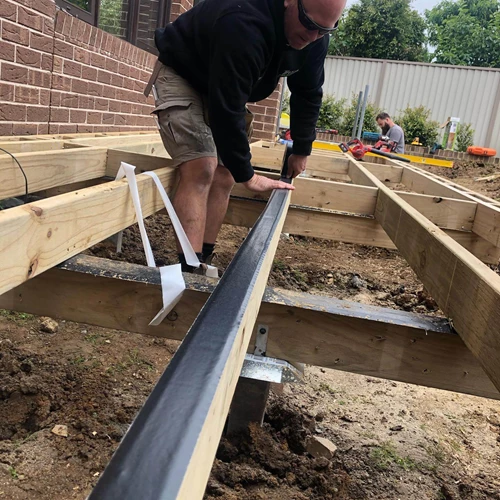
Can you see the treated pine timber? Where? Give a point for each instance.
(194, 393)
(343, 335)
(347, 228)
(351, 198)
(465, 289)
(487, 219)
(16, 147)
(37, 236)
(113, 141)
(48, 169)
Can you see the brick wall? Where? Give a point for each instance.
(59, 74)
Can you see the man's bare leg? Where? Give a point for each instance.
(191, 197)
(218, 200)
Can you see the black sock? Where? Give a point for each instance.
(208, 249)
(185, 267)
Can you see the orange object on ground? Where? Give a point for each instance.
(480, 151)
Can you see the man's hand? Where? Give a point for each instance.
(260, 184)
(296, 165)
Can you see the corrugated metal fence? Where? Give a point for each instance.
(473, 94)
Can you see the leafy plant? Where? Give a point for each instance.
(416, 122)
(331, 113)
(385, 455)
(465, 137)
(369, 123)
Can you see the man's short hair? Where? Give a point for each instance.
(382, 116)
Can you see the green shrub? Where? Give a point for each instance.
(331, 113)
(285, 107)
(416, 122)
(465, 137)
(369, 123)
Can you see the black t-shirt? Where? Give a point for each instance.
(234, 52)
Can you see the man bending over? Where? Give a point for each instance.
(213, 60)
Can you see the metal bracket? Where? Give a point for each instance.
(270, 370)
(261, 340)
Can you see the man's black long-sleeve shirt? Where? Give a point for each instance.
(234, 52)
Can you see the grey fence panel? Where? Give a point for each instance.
(473, 94)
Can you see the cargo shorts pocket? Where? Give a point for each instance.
(183, 130)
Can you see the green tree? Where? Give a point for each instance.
(465, 32)
(381, 29)
(416, 122)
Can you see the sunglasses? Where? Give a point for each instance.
(310, 25)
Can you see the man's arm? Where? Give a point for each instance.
(306, 95)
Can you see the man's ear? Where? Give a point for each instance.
(288, 3)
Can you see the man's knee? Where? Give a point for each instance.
(199, 172)
(223, 179)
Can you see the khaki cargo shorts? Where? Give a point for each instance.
(183, 119)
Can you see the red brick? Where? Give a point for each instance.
(85, 128)
(28, 57)
(45, 97)
(57, 65)
(7, 51)
(80, 31)
(111, 65)
(72, 68)
(47, 7)
(124, 69)
(38, 114)
(82, 55)
(95, 89)
(63, 49)
(7, 10)
(108, 118)
(29, 18)
(42, 128)
(6, 128)
(15, 33)
(115, 106)
(24, 129)
(101, 104)
(94, 117)
(260, 134)
(60, 115)
(85, 102)
(116, 80)
(69, 100)
(41, 42)
(47, 62)
(77, 116)
(254, 108)
(120, 119)
(6, 92)
(86, 34)
(48, 26)
(97, 60)
(53, 128)
(59, 24)
(68, 23)
(93, 36)
(60, 82)
(269, 102)
(16, 74)
(109, 92)
(75, 24)
(79, 86)
(68, 129)
(89, 73)
(130, 84)
(28, 95)
(104, 77)
(12, 112)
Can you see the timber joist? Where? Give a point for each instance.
(445, 232)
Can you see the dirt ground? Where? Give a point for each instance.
(394, 440)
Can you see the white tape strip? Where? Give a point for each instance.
(187, 249)
(172, 281)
